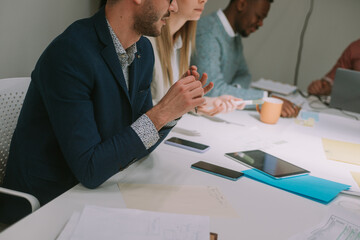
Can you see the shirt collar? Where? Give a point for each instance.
(126, 56)
(226, 24)
(178, 43)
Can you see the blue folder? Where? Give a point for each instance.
(314, 188)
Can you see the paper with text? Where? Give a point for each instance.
(198, 200)
(112, 223)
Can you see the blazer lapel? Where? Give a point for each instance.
(108, 53)
(134, 84)
(114, 64)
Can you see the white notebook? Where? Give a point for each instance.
(276, 87)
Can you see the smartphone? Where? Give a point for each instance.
(217, 170)
(186, 144)
(267, 163)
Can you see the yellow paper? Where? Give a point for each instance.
(196, 200)
(356, 176)
(342, 151)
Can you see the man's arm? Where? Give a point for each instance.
(323, 86)
(343, 62)
(147, 131)
(320, 87)
(68, 85)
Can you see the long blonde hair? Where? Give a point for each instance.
(165, 46)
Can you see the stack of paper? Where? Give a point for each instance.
(276, 87)
(96, 223)
(317, 189)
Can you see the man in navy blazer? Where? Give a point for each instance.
(88, 111)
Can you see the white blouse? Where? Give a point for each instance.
(159, 86)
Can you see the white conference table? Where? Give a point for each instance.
(264, 212)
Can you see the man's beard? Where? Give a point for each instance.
(244, 34)
(145, 24)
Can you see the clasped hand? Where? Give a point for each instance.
(183, 96)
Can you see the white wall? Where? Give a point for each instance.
(28, 26)
(271, 52)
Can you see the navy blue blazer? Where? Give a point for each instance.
(74, 125)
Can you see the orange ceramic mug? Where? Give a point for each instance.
(270, 110)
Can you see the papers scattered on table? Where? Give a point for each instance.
(254, 139)
(273, 86)
(342, 151)
(341, 222)
(317, 189)
(96, 223)
(197, 200)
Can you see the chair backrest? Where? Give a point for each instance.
(12, 94)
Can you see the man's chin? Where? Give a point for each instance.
(155, 31)
(244, 34)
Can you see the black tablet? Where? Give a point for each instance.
(267, 163)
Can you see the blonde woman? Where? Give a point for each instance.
(172, 51)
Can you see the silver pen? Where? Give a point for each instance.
(195, 79)
(351, 192)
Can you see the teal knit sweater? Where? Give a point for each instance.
(222, 58)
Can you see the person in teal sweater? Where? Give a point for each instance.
(219, 50)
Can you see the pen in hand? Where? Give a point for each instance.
(197, 79)
(193, 71)
(249, 102)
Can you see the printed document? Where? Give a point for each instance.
(96, 223)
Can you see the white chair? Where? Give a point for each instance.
(12, 94)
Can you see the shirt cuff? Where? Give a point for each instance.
(146, 131)
(171, 123)
(266, 94)
(329, 80)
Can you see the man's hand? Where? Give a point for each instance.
(288, 109)
(319, 87)
(186, 94)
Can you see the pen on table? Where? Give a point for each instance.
(351, 192)
(249, 102)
